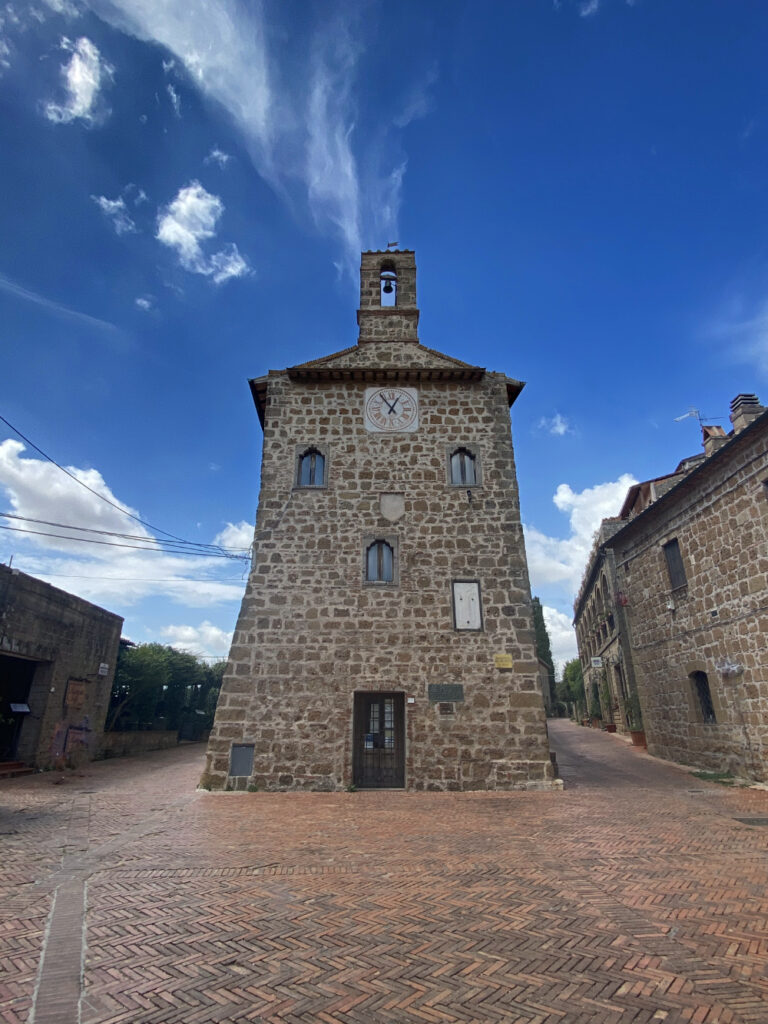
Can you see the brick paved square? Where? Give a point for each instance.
(634, 895)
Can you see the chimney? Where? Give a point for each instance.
(712, 438)
(744, 409)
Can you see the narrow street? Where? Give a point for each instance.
(636, 894)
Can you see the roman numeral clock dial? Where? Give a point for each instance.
(391, 410)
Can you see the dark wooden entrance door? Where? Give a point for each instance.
(378, 760)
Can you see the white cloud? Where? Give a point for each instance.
(205, 640)
(100, 572)
(116, 211)
(189, 220)
(237, 536)
(175, 99)
(556, 425)
(741, 330)
(562, 637)
(83, 76)
(588, 8)
(217, 156)
(561, 561)
(144, 302)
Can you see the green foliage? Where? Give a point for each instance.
(724, 778)
(634, 713)
(595, 710)
(570, 689)
(543, 647)
(158, 687)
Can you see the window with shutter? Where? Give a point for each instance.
(675, 567)
(463, 470)
(311, 472)
(467, 613)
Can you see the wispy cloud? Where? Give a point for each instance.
(217, 156)
(187, 222)
(83, 76)
(12, 288)
(175, 99)
(588, 8)
(144, 302)
(301, 131)
(556, 425)
(740, 327)
(116, 211)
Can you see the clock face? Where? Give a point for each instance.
(391, 410)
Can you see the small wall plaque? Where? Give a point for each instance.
(103, 669)
(442, 693)
(502, 660)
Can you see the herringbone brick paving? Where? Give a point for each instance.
(633, 896)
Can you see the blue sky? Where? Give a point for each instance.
(185, 192)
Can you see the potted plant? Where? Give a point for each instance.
(635, 717)
(595, 711)
(605, 700)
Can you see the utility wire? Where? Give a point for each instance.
(168, 550)
(206, 548)
(155, 529)
(134, 579)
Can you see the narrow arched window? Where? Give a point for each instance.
(388, 284)
(701, 688)
(311, 469)
(379, 562)
(463, 468)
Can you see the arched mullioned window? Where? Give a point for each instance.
(311, 469)
(388, 284)
(463, 468)
(379, 562)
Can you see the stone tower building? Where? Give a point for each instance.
(385, 638)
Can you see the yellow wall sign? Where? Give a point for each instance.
(502, 660)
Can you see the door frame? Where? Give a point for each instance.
(360, 702)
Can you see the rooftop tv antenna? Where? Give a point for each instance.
(695, 414)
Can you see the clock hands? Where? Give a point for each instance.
(392, 406)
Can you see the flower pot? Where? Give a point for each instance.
(610, 727)
(638, 737)
(597, 723)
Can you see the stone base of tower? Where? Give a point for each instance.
(328, 735)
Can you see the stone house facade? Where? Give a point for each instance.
(58, 655)
(693, 569)
(602, 634)
(385, 638)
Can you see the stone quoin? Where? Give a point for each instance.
(385, 639)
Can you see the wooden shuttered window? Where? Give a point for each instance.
(675, 567)
(467, 613)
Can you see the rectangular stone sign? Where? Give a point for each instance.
(441, 693)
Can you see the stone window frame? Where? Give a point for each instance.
(474, 451)
(394, 543)
(468, 629)
(300, 450)
(695, 716)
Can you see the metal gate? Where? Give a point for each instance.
(378, 759)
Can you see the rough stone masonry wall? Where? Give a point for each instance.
(720, 620)
(69, 639)
(311, 632)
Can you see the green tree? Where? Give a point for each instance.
(570, 689)
(158, 687)
(543, 648)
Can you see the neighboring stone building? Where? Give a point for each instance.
(602, 635)
(693, 570)
(57, 663)
(385, 638)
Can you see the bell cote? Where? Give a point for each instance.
(388, 310)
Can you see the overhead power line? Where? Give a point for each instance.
(190, 547)
(102, 497)
(169, 549)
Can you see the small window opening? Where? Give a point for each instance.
(312, 469)
(675, 567)
(701, 686)
(463, 468)
(379, 562)
(388, 284)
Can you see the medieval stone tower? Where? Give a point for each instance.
(385, 638)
